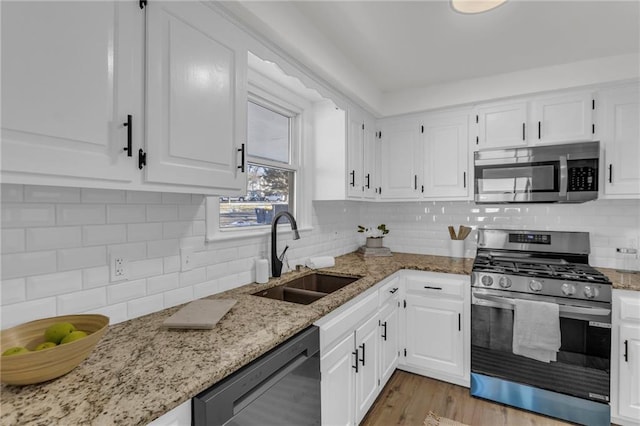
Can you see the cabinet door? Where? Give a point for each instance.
(370, 179)
(71, 73)
(446, 162)
(338, 383)
(355, 144)
(389, 339)
(502, 125)
(367, 377)
(566, 118)
(629, 377)
(196, 97)
(434, 336)
(399, 155)
(621, 133)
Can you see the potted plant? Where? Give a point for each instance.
(374, 235)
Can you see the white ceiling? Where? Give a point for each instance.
(407, 44)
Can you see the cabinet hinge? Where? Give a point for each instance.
(593, 129)
(142, 158)
(143, 4)
(477, 118)
(593, 104)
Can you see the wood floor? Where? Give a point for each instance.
(407, 399)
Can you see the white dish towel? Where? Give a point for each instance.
(321, 262)
(536, 330)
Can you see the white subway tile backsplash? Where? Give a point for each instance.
(19, 313)
(104, 234)
(171, 264)
(191, 212)
(178, 296)
(104, 196)
(144, 231)
(39, 286)
(205, 289)
(12, 193)
(192, 277)
(228, 282)
(96, 277)
(162, 213)
(12, 240)
(175, 198)
(116, 313)
(162, 248)
(162, 283)
(27, 215)
(13, 291)
(53, 238)
(144, 197)
(145, 268)
(25, 264)
(197, 199)
(177, 229)
(126, 213)
(145, 305)
(51, 194)
(130, 251)
(80, 214)
(199, 227)
(79, 258)
(82, 301)
(126, 291)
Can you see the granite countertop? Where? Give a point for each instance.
(140, 370)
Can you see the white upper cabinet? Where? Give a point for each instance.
(355, 163)
(71, 74)
(445, 146)
(399, 159)
(196, 97)
(564, 118)
(370, 176)
(502, 124)
(620, 140)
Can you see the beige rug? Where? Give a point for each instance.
(434, 420)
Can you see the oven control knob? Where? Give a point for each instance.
(535, 285)
(568, 289)
(487, 280)
(591, 292)
(504, 282)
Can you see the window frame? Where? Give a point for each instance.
(271, 95)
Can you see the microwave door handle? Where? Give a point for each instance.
(567, 309)
(563, 176)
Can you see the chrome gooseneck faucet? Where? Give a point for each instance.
(276, 262)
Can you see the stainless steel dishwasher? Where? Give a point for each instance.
(282, 387)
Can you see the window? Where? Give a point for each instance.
(271, 167)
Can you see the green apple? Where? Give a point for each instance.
(74, 335)
(45, 345)
(56, 332)
(16, 350)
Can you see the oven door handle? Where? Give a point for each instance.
(564, 176)
(563, 308)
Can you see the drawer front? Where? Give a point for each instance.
(437, 285)
(389, 290)
(630, 307)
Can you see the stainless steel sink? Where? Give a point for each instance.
(307, 289)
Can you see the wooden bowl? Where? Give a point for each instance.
(46, 364)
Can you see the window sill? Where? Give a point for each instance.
(242, 234)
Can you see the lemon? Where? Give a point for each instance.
(15, 351)
(45, 345)
(74, 335)
(56, 332)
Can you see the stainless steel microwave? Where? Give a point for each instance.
(565, 173)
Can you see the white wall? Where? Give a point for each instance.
(421, 227)
(56, 243)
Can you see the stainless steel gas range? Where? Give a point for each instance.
(520, 280)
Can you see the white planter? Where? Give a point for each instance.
(374, 242)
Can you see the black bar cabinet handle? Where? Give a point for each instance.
(415, 182)
(368, 185)
(363, 351)
(523, 131)
(459, 322)
(241, 166)
(353, 177)
(539, 129)
(610, 173)
(464, 179)
(129, 126)
(626, 351)
(384, 336)
(356, 355)
(393, 290)
(428, 287)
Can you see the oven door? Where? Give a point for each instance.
(582, 368)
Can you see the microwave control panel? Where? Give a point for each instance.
(582, 179)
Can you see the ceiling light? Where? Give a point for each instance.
(475, 6)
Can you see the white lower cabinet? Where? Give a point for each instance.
(389, 339)
(367, 360)
(179, 416)
(625, 358)
(338, 383)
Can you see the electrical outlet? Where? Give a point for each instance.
(186, 259)
(119, 266)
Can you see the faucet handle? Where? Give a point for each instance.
(283, 252)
